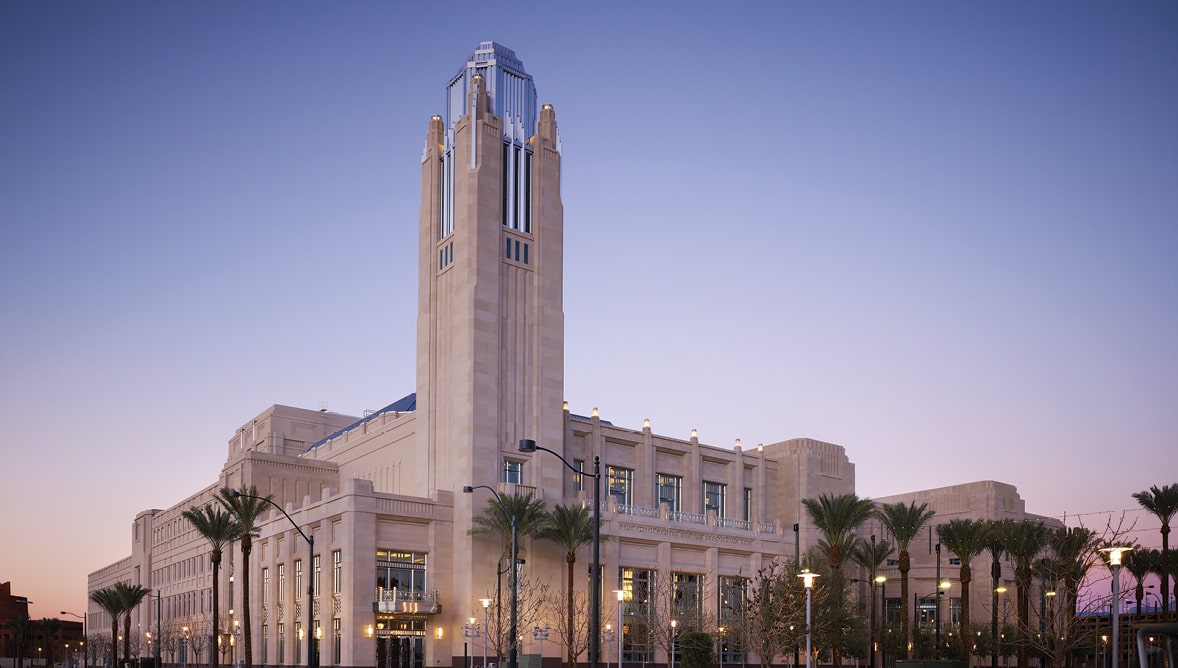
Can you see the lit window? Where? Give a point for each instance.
(668, 490)
(714, 493)
(621, 484)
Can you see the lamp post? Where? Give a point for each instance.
(937, 617)
(528, 445)
(158, 627)
(312, 656)
(512, 650)
(83, 618)
(486, 629)
(876, 583)
(470, 631)
(674, 625)
(808, 581)
(621, 636)
(541, 634)
(1114, 564)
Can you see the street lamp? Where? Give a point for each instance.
(528, 445)
(470, 631)
(674, 624)
(83, 618)
(808, 581)
(1114, 564)
(486, 629)
(158, 627)
(541, 634)
(312, 657)
(876, 583)
(512, 651)
(621, 636)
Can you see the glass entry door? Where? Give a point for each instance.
(400, 652)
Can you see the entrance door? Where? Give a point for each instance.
(400, 652)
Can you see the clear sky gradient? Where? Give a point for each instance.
(942, 235)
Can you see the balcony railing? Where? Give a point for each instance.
(722, 522)
(409, 601)
(693, 518)
(638, 512)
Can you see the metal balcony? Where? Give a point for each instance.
(406, 601)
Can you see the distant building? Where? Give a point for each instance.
(396, 575)
(37, 644)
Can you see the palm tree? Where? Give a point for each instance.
(995, 547)
(245, 507)
(904, 521)
(496, 520)
(108, 599)
(1163, 503)
(570, 527)
(1138, 564)
(1075, 550)
(219, 528)
(50, 627)
(966, 539)
(871, 556)
(18, 626)
(130, 596)
(1024, 540)
(837, 517)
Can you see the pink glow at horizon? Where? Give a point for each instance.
(942, 236)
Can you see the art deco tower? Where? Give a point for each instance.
(490, 326)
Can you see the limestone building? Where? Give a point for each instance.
(396, 575)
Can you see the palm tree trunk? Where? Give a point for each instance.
(905, 566)
(216, 607)
(966, 642)
(246, 548)
(1023, 584)
(114, 641)
(1165, 568)
(127, 636)
(570, 559)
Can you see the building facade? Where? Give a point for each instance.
(396, 575)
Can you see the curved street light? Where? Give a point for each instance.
(512, 651)
(83, 618)
(528, 445)
(312, 655)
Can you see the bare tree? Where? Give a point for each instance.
(532, 598)
(554, 615)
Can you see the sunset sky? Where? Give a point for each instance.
(941, 235)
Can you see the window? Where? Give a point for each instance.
(315, 574)
(638, 640)
(336, 645)
(265, 587)
(668, 490)
(621, 484)
(732, 598)
(298, 577)
(265, 641)
(954, 561)
(298, 658)
(403, 571)
(337, 571)
(685, 599)
(578, 470)
(281, 643)
(513, 471)
(281, 584)
(748, 504)
(714, 493)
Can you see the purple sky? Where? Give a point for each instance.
(942, 235)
